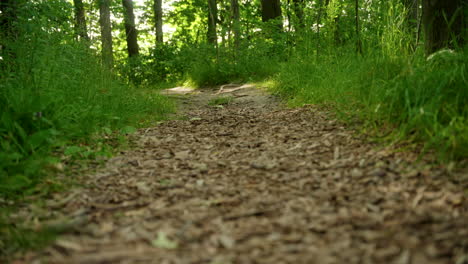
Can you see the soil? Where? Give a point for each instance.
(251, 181)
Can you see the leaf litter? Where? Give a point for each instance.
(254, 182)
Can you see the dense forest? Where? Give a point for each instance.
(77, 76)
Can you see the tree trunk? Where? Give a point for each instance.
(212, 20)
(80, 21)
(7, 18)
(106, 33)
(298, 6)
(358, 35)
(443, 24)
(158, 15)
(319, 21)
(236, 22)
(130, 29)
(271, 9)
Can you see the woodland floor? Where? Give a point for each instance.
(255, 182)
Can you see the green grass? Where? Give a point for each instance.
(250, 63)
(411, 98)
(72, 101)
(58, 107)
(224, 100)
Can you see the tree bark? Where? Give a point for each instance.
(443, 23)
(212, 21)
(8, 16)
(271, 9)
(158, 18)
(358, 35)
(298, 6)
(236, 22)
(80, 21)
(106, 33)
(319, 21)
(130, 29)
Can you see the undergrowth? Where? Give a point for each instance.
(220, 101)
(57, 106)
(54, 95)
(251, 62)
(424, 100)
(63, 98)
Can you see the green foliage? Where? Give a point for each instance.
(53, 92)
(394, 36)
(423, 100)
(249, 62)
(220, 101)
(163, 63)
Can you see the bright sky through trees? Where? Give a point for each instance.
(167, 6)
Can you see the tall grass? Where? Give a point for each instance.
(250, 62)
(53, 93)
(390, 88)
(419, 99)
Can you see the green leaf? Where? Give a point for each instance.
(128, 130)
(38, 138)
(73, 150)
(15, 182)
(163, 242)
(20, 131)
(106, 130)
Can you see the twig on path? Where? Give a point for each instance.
(249, 214)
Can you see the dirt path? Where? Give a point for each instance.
(253, 182)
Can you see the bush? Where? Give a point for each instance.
(53, 92)
(425, 99)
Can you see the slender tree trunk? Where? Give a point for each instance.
(212, 21)
(106, 33)
(418, 31)
(236, 22)
(319, 21)
(412, 8)
(8, 33)
(158, 18)
(289, 16)
(299, 11)
(130, 29)
(7, 15)
(336, 31)
(358, 35)
(224, 31)
(80, 21)
(443, 24)
(412, 18)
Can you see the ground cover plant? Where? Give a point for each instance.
(408, 97)
(57, 104)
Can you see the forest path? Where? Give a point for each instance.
(254, 182)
